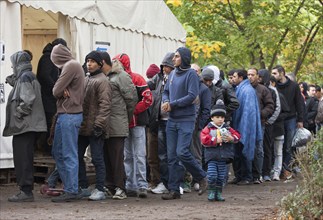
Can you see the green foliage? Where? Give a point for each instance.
(307, 201)
(260, 33)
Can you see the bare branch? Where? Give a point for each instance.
(306, 46)
(234, 19)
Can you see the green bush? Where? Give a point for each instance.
(307, 200)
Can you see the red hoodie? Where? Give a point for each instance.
(145, 98)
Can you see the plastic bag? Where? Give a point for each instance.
(301, 137)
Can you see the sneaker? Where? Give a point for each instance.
(244, 183)
(181, 190)
(234, 181)
(84, 192)
(108, 193)
(276, 177)
(203, 185)
(196, 186)
(21, 197)
(142, 193)
(132, 193)
(171, 195)
(267, 179)
(120, 194)
(97, 195)
(160, 189)
(286, 175)
(256, 181)
(66, 197)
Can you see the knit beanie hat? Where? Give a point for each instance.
(168, 60)
(207, 74)
(152, 71)
(96, 56)
(219, 109)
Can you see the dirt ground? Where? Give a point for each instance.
(242, 202)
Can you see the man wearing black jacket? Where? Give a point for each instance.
(295, 117)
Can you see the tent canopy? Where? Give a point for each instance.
(149, 17)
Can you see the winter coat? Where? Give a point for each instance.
(182, 89)
(145, 98)
(229, 98)
(96, 105)
(216, 94)
(47, 75)
(24, 111)
(266, 102)
(123, 100)
(311, 105)
(215, 151)
(292, 93)
(276, 99)
(71, 79)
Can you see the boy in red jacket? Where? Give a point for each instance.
(218, 139)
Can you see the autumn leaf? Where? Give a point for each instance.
(175, 3)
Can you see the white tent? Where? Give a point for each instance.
(145, 30)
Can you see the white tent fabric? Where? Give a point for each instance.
(145, 30)
(149, 17)
(8, 11)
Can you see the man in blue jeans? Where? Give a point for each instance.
(179, 97)
(295, 117)
(69, 92)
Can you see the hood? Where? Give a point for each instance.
(216, 72)
(20, 61)
(117, 67)
(185, 57)
(168, 60)
(48, 48)
(60, 55)
(283, 85)
(125, 61)
(265, 75)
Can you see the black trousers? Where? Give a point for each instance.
(268, 144)
(114, 157)
(23, 158)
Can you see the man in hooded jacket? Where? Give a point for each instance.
(181, 92)
(69, 92)
(25, 117)
(135, 143)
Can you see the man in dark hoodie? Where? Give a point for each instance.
(295, 117)
(181, 92)
(47, 75)
(69, 92)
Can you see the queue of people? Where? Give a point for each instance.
(196, 124)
